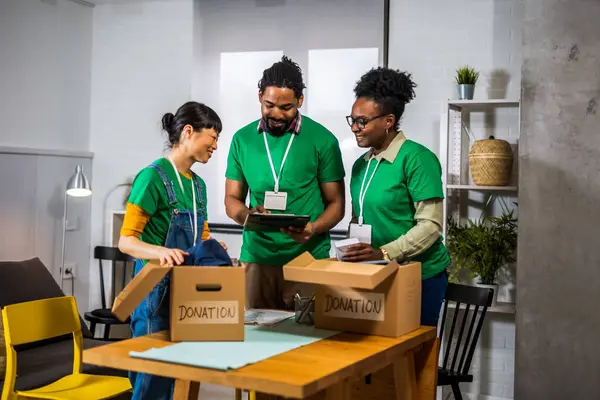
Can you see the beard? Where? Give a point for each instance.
(277, 130)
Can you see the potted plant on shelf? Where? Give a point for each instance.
(484, 247)
(466, 78)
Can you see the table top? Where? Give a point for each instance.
(298, 373)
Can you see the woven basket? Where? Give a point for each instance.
(491, 162)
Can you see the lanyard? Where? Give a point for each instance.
(195, 225)
(275, 176)
(363, 190)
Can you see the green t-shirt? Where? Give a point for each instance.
(150, 194)
(415, 175)
(314, 158)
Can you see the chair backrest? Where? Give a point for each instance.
(476, 301)
(37, 320)
(116, 257)
(29, 280)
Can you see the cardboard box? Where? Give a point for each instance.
(382, 300)
(207, 303)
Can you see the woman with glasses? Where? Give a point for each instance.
(396, 188)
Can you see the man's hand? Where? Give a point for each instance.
(362, 252)
(300, 235)
(259, 210)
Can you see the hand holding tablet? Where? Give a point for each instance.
(275, 222)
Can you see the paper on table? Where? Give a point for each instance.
(260, 343)
(255, 316)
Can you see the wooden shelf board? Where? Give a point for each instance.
(484, 102)
(486, 188)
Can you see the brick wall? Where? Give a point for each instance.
(430, 39)
(493, 363)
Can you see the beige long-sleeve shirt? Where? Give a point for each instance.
(428, 215)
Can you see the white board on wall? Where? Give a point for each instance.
(330, 78)
(332, 75)
(237, 106)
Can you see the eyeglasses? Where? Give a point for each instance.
(361, 122)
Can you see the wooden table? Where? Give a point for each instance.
(332, 368)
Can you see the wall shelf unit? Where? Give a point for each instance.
(454, 149)
(463, 198)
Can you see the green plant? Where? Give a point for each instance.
(466, 76)
(484, 246)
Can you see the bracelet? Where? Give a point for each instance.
(386, 256)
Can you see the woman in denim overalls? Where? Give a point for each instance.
(163, 218)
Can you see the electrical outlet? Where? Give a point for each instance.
(72, 224)
(70, 271)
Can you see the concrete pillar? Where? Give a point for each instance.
(558, 278)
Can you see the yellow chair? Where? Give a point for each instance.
(43, 319)
(239, 392)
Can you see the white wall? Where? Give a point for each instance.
(141, 68)
(431, 39)
(45, 73)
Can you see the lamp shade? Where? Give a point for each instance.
(78, 185)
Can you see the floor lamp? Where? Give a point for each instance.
(78, 186)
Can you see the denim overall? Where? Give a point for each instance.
(152, 315)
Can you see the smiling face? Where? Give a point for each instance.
(279, 107)
(370, 126)
(199, 145)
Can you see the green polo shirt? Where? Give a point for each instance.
(150, 194)
(314, 158)
(407, 174)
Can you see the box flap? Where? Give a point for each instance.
(305, 268)
(137, 290)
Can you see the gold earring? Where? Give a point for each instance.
(387, 131)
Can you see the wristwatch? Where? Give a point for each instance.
(386, 256)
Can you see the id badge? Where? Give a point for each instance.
(276, 201)
(361, 232)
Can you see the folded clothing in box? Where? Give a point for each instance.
(208, 253)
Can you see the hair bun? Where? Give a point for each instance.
(167, 121)
(405, 86)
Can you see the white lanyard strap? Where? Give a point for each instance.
(195, 222)
(275, 176)
(363, 190)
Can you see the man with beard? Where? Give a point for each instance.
(290, 164)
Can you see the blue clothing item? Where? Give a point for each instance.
(208, 253)
(152, 315)
(433, 291)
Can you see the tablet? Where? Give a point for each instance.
(274, 222)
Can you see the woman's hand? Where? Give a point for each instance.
(362, 252)
(171, 257)
(223, 245)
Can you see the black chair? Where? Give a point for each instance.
(461, 345)
(104, 315)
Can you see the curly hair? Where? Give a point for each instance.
(390, 89)
(284, 74)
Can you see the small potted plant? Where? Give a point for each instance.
(466, 78)
(483, 247)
